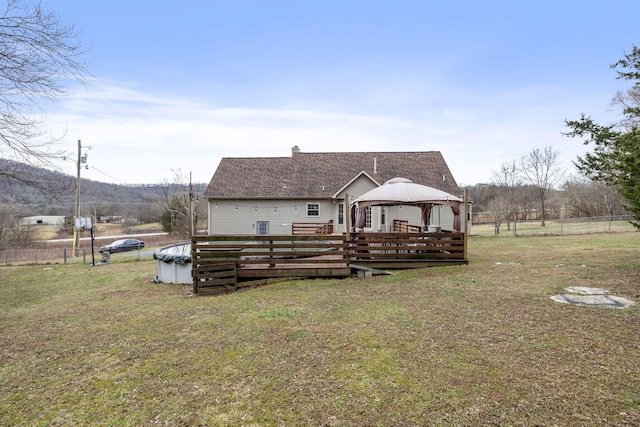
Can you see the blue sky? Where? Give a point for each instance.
(180, 85)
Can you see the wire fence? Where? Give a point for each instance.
(556, 227)
(54, 256)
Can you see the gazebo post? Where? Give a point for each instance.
(347, 214)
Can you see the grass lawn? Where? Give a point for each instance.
(481, 344)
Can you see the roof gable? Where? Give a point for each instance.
(323, 175)
(354, 179)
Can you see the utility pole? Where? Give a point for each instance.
(76, 234)
(191, 222)
(76, 218)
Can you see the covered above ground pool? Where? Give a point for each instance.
(174, 263)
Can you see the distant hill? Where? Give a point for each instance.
(53, 193)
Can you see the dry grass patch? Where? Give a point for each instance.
(481, 344)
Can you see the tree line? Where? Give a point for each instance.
(536, 187)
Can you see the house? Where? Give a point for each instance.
(262, 196)
(43, 220)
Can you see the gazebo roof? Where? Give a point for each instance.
(402, 191)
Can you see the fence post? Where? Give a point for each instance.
(271, 262)
(64, 254)
(609, 217)
(515, 228)
(561, 227)
(84, 256)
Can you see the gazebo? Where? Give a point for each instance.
(402, 191)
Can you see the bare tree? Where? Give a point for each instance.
(505, 179)
(592, 198)
(11, 232)
(541, 168)
(497, 212)
(178, 198)
(38, 56)
(628, 100)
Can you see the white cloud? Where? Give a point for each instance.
(139, 137)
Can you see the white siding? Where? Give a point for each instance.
(411, 214)
(442, 216)
(357, 188)
(229, 217)
(240, 217)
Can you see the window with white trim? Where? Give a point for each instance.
(340, 213)
(262, 228)
(313, 209)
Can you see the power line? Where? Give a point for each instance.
(106, 174)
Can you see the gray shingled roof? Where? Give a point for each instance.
(307, 174)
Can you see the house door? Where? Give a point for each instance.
(367, 218)
(340, 223)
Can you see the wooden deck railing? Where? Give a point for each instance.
(403, 226)
(301, 228)
(401, 250)
(256, 257)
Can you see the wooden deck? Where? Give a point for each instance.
(223, 263)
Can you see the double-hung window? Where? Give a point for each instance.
(313, 209)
